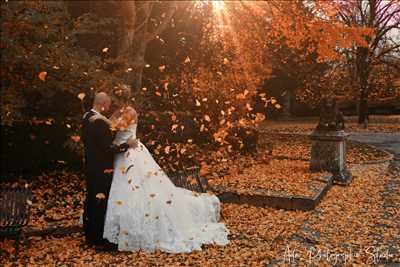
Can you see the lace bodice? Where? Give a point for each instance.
(123, 136)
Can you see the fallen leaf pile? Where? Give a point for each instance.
(305, 126)
(348, 217)
(360, 221)
(299, 147)
(282, 177)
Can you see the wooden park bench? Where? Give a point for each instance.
(14, 213)
(189, 179)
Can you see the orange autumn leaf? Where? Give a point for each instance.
(42, 75)
(174, 127)
(81, 96)
(100, 196)
(76, 138)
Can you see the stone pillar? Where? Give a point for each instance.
(328, 153)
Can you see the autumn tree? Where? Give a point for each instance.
(383, 46)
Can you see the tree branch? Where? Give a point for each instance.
(163, 24)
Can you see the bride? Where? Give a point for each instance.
(146, 211)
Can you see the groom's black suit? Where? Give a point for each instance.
(99, 157)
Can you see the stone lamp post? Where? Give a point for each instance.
(328, 152)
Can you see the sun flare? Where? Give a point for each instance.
(218, 5)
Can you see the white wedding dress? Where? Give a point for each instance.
(146, 211)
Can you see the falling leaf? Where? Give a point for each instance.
(42, 75)
(161, 68)
(119, 202)
(158, 93)
(123, 169)
(81, 96)
(29, 202)
(259, 117)
(105, 50)
(204, 169)
(173, 127)
(249, 108)
(76, 138)
(187, 60)
(278, 106)
(198, 103)
(169, 201)
(207, 118)
(152, 195)
(108, 170)
(100, 196)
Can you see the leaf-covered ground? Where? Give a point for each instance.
(379, 124)
(299, 147)
(58, 196)
(359, 219)
(279, 177)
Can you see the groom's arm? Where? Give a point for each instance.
(105, 140)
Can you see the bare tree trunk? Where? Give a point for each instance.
(287, 104)
(364, 67)
(136, 36)
(363, 75)
(128, 11)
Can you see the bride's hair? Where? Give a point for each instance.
(123, 117)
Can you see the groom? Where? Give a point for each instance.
(99, 157)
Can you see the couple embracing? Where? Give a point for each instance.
(131, 204)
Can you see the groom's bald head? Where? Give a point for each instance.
(101, 102)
